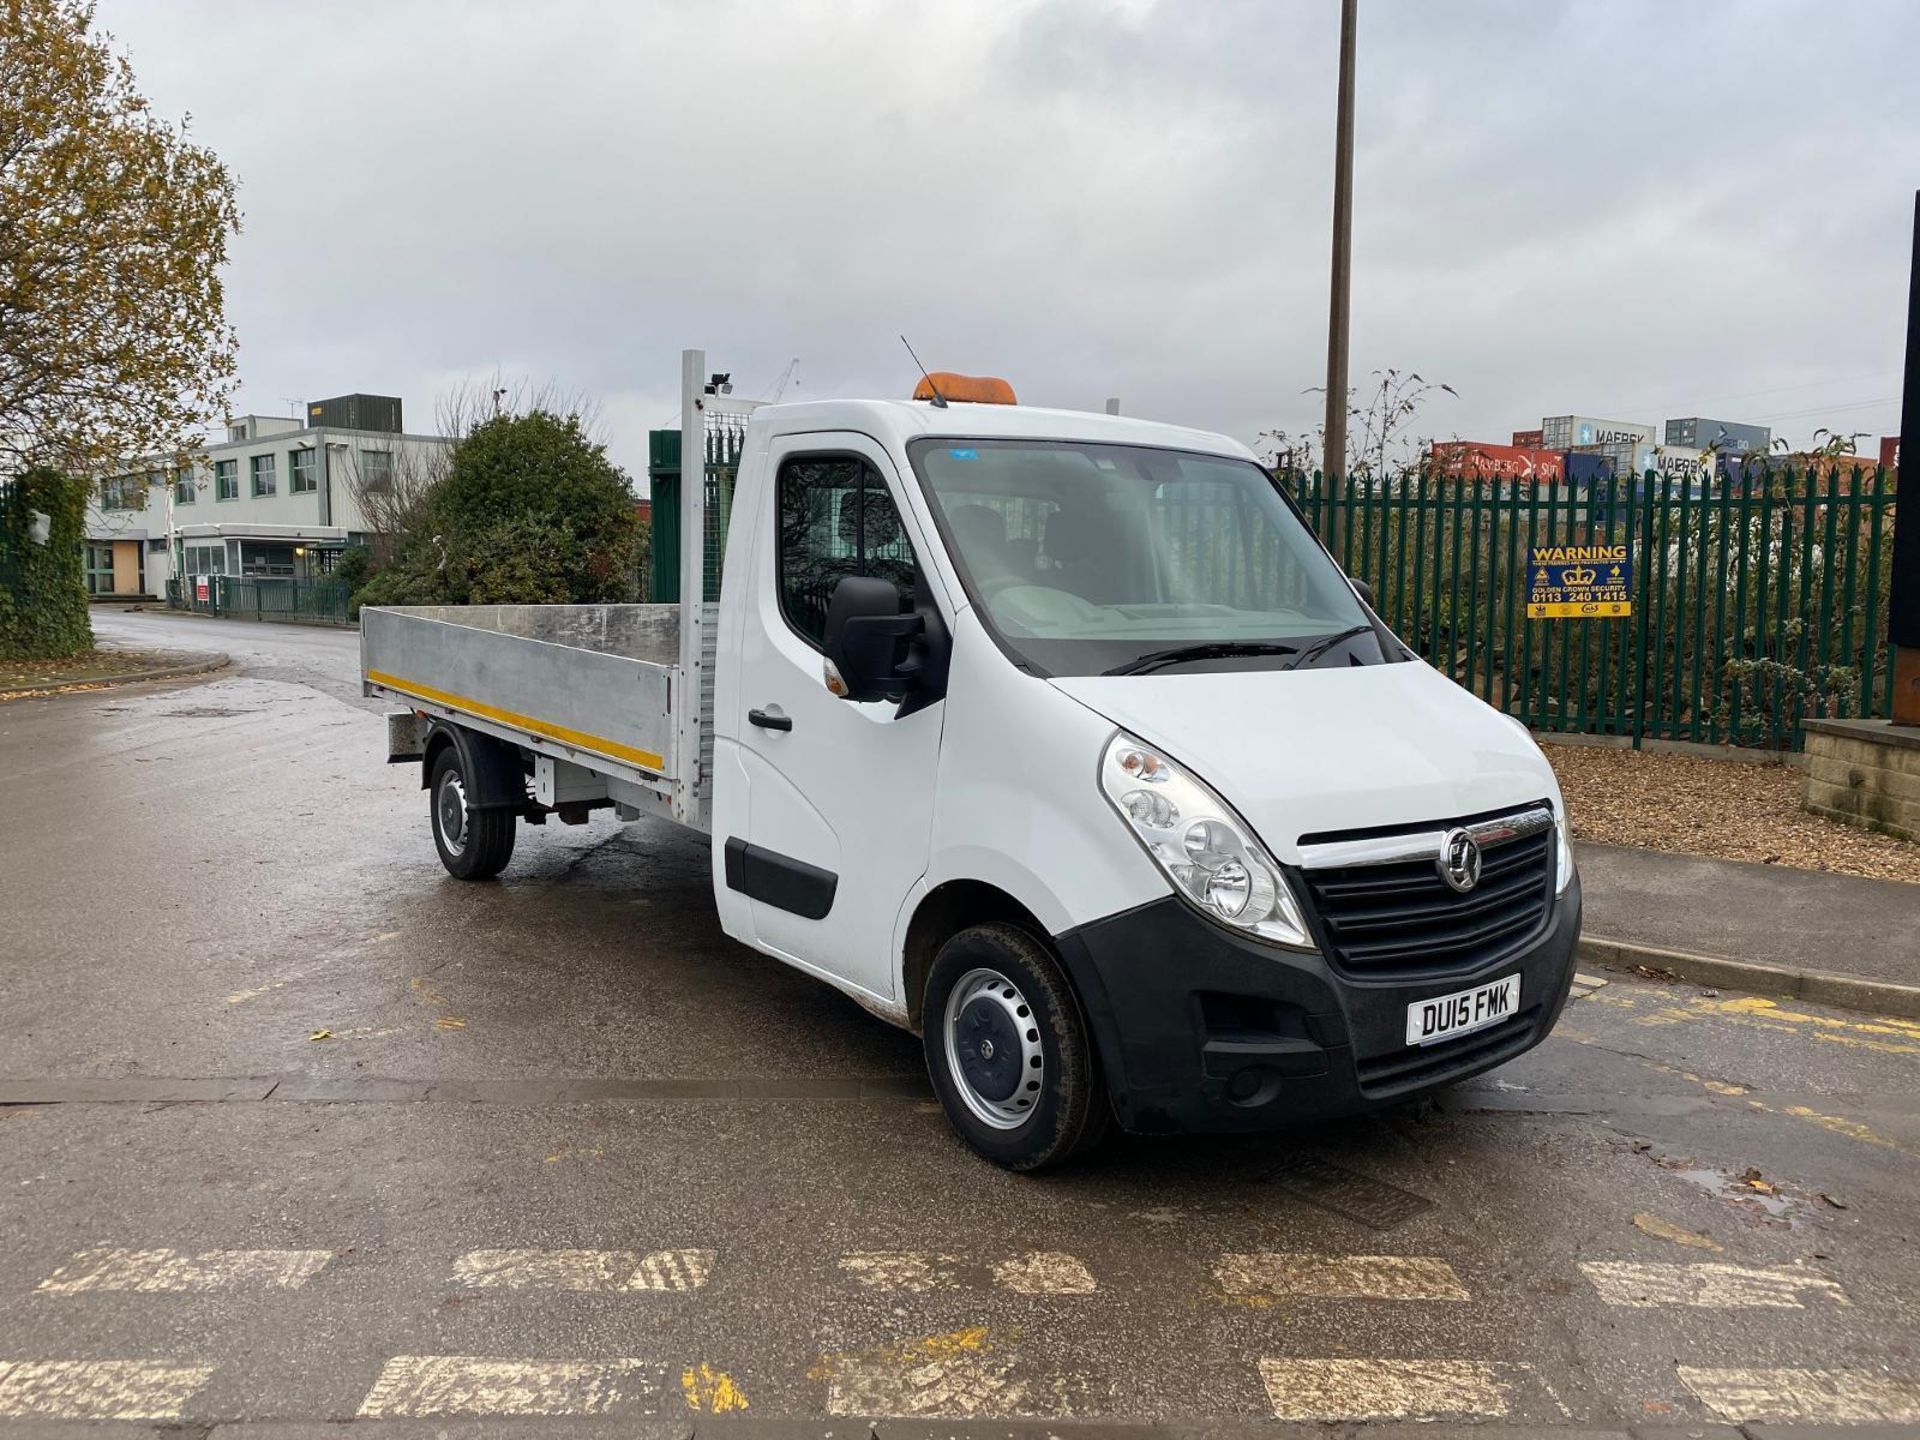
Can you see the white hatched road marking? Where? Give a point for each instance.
(1706, 1286)
(1340, 1277)
(1033, 1272)
(960, 1374)
(159, 1271)
(604, 1270)
(97, 1389)
(419, 1386)
(1385, 1389)
(1824, 1397)
(1044, 1272)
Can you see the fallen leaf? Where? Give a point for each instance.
(1667, 1230)
(1750, 1177)
(1833, 1200)
(321, 1035)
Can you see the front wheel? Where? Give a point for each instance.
(1008, 1051)
(473, 844)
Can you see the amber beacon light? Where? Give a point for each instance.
(976, 389)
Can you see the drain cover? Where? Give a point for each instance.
(1371, 1202)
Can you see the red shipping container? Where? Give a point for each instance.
(1479, 460)
(1529, 439)
(1889, 451)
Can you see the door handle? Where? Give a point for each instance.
(768, 721)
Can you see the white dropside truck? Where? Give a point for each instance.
(1055, 738)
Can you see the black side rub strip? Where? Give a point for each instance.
(779, 880)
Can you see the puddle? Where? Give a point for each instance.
(1723, 1186)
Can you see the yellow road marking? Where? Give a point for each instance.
(579, 739)
(711, 1391)
(1885, 1034)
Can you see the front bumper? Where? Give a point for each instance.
(1200, 1030)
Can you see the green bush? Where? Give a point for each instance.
(530, 512)
(43, 588)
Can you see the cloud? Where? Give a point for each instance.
(1636, 209)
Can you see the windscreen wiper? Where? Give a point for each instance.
(1206, 650)
(1320, 647)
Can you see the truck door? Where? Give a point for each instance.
(839, 793)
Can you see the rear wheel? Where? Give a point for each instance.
(473, 844)
(1008, 1051)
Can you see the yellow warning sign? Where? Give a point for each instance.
(1579, 582)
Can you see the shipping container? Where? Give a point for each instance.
(1684, 463)
(1697, 433)
(1584, 469)
(1483, 460)
(380, 413)
(1570, 432)
(1529, 440)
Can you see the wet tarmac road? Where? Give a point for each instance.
(567, 1152)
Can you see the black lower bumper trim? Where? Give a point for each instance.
(1200, 1030)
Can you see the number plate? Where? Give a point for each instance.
(1445, 1016)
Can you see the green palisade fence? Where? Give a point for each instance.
(244, 597)
(1758, 603)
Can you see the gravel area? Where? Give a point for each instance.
(1718, 808)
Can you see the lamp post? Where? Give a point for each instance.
(1334, 445)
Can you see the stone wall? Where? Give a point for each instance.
(1865, 773)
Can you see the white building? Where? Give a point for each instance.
(278, 497)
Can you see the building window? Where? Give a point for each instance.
(376, 470)
(303, 471)
(185, 492)
(226, 479)
(836, 520)
(207, 559)
(123, 492)
(263, 480)
(99, 568)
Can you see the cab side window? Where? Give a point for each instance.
(836, 519)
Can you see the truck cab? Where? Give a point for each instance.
(1059, 739)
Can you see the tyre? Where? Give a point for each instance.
(1009, 1052)
(473, 844)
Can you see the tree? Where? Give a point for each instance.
(394, 500)
(1376, 438)
(113, 229)
(530, 511)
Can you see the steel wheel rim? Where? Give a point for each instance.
(991, 1033)
(450, 812)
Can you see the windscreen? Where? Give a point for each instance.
(1087, 559)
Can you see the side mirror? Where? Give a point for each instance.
(1364, 591)
(868, 638)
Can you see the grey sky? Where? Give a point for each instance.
(1634, 210)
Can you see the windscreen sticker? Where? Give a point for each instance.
(959, 454)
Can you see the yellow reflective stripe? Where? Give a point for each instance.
(600, 745)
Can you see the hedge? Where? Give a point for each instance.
(43, 588)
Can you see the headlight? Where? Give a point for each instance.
(1214, 859)
(1563, 876)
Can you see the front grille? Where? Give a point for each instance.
(1410, 1069)
(1400, 919)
